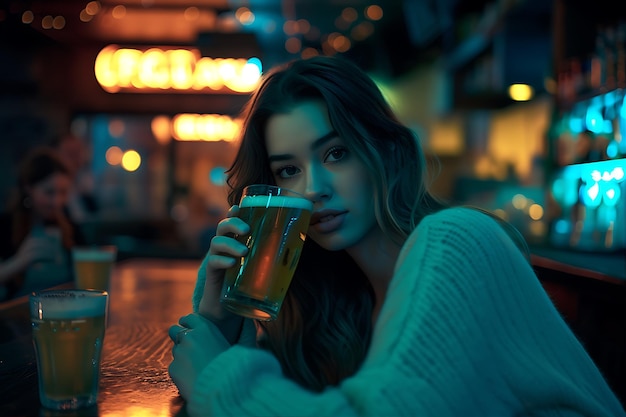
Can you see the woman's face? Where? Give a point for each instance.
(49, 196)
(307, 156)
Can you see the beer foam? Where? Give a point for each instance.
(276, 201)
(87, 254)
(63, 305)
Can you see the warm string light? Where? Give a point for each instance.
(521, 92)
(524, 207)
(349, 29)
(129, 160)
(58, 22)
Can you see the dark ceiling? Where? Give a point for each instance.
(177, 22)
(409, 30)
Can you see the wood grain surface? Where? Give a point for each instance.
(146, 297)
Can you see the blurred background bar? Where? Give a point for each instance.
(520, 105)
(520, 102)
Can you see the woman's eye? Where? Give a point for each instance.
(286, 172)
(336, 154)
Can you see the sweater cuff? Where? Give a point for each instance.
(222, 386)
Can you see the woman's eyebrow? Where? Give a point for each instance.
(326, 138)
(316, 144)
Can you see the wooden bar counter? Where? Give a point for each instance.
(148, 295)
(145, 298)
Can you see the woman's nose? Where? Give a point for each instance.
(316, 196)
(318, 187)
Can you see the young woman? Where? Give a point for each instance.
(36, 232)
(399, 306)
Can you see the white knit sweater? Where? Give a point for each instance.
(466, 330)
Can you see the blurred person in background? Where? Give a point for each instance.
(400, 305)
(36, 233)
(82, 203)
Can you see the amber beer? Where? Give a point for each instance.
(256, 286)
(68, 331)
(93, 266)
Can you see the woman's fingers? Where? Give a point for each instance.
(197, 323)
(233, 211)
(220, 262)
(173, 332)
(225, 245)
(224, 252)
(186, 324)
(192, 321)
(232, 223)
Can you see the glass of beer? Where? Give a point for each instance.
(68, 330)
(279, 219)
(93, 266)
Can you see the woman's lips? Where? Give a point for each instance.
(327, 222)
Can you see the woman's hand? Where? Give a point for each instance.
(223, 253)
(36, 249)
(196, 342)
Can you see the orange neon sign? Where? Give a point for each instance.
(173, 70)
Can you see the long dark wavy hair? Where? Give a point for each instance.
(324, 326)
(322, 333)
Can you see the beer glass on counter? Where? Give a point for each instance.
(68, 330)
(279, 219)
(93, 266)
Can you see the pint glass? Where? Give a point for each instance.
(68, 331)
(279, 219)
(93, 266)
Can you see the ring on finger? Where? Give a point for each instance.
(180, 334)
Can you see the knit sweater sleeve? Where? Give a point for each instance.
(199, 287)
(465, 329)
